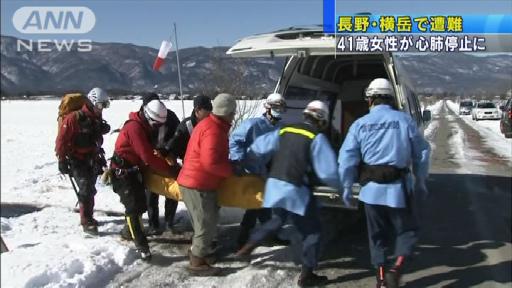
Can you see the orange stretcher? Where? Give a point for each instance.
(236, 191)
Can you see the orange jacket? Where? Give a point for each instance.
(206, 161)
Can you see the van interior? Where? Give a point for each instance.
(338, 81)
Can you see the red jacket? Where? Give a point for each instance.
(70, 143)
(133, 145)
(206, 161)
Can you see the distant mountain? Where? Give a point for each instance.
(459, 73)
(128, 67)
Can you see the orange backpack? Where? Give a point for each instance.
(69, 103)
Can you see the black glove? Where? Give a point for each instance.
(163, 152)
(175, 170)
(238, 168)
(100, 163)
(64, 167)
(104, 127)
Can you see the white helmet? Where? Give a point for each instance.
(276, 103)
(98, 95)
(155, 112)
(379, 87)
(318, 110)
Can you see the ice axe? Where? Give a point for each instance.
(74, 188)
(3, 246)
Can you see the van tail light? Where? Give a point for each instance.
(510, 114)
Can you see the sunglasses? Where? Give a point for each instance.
(152, 122)
(102, 105)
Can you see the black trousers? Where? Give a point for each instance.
(85, 177)
(131, 191)
(309, 226)
(153, 212)
(388, 226)
(251, 215)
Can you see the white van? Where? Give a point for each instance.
(314, 70)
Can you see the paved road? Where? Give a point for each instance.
(465, 236)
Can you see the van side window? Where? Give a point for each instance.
(414, 107)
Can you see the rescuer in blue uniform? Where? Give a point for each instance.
(299, 153)
(378, 151)
(239, 142)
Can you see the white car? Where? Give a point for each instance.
(314, 70)
(485, 110)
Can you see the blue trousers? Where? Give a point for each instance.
(387, 225)
(308, 225)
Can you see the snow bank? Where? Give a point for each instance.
(431, 128)
(490, 132)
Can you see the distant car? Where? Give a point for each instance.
(485, 110)
(506, 119)
(465, 107)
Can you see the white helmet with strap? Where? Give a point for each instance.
(318, 110)
(98, 95)
(276, 103)
(155, 112)
(379, 87)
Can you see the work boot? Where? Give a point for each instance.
(144, 253)
(244, 254)
(276, 241)
(198, 266)
(381, 280)
(393, 278)
(243, 236)
(125, 233)
(209, 259)
(308, 279)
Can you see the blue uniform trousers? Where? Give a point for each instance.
(388, 226)
(308, 225)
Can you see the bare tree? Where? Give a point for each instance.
(228, 75)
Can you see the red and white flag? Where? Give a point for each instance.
(162, 53)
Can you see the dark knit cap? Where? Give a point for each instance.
(148, 97)
(203, 102)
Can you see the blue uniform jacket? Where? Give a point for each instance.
(245, 134)
(384, 137)
(282, 194)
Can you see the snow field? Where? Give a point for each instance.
(47, 247)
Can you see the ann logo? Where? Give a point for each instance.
(54, 20)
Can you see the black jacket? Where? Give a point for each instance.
(178, 144)
(164, 134)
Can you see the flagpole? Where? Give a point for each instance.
(179, 71)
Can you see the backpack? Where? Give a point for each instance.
(70, 102)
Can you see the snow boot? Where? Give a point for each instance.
(308, 279)
(125, 233)
(153, 231)
(144, 253)
(90, 229)
(198, 266)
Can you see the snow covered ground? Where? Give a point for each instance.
(47, 246)
(489, 130)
